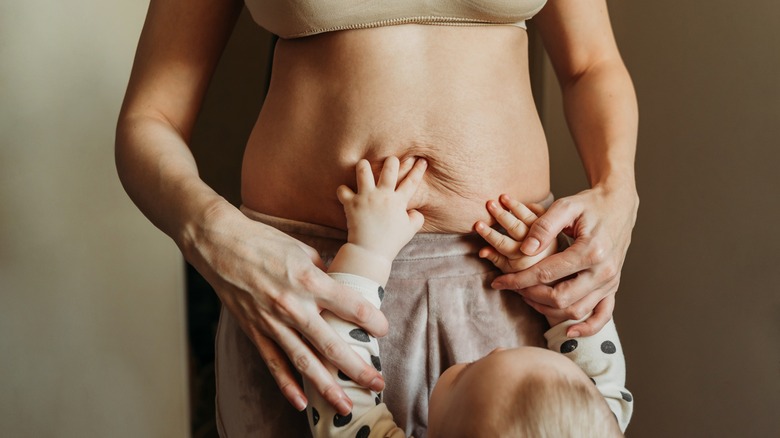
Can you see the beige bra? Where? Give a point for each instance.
(298, 18)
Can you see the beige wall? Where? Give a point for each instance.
(91, 302)
(699, 308)
(91, 324)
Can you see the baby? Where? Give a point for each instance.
(517, 392)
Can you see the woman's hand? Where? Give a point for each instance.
(275, 288)
(585, 276)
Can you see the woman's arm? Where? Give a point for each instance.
(601, 110)
(269, 281)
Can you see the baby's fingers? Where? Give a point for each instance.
(416, 219)
(388, 177)
(520, 210)
(504, 244)
(499, 260)
(345, 194)
(365, 176)
(513, 226)
(412, 180)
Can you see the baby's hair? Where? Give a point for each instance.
(547, 404)
(543, 404)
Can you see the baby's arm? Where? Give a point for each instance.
(378, 225)
(600, 356)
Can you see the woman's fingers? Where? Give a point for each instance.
(566, 293)
(600, 317)
(601, 309)
(350, 306)
(561, 214)
(311, 367)
(336, 351)
(550, 270)
(279, 367)
(303, 318)
(576, 296)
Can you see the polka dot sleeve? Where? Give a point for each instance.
(601, 357)
(369, 417)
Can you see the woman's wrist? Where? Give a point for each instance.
(619, 186)
(200, 222)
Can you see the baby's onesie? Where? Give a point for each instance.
(600, 356)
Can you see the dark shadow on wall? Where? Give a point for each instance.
(202, 313)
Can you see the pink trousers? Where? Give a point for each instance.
(441, 310)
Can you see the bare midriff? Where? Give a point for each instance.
(458, 96)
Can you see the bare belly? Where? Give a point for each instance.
(458, 96)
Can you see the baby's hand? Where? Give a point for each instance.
(378, 218)
(504, 251)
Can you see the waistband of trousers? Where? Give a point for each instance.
(422, 246)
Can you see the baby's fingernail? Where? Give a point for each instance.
(530, 245)
(343, 407)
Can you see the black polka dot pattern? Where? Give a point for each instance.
(343, 376)
(376, 362)
(381, 293)
(359, 334)
(340, 421)
(315, 416)
(364, 432)
(569, 346)
(377, 400)
(608, 347)
(626, 396)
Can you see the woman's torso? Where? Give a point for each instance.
(458, 96)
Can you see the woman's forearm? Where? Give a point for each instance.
(601, 110)
(160, 175)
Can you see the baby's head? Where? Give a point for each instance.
(522, 392)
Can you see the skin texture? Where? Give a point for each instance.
(457, 96)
